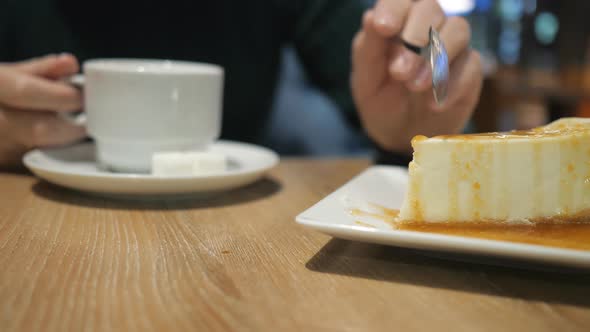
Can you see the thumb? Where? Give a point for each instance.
(50, 66)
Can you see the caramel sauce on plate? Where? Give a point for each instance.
(561, 235)
(572, 235)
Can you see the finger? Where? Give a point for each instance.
(422, 80)
(53, 130)
(371, 52)
(50, 66)
(390, 16)
(38, 129)
(455, 35)
(369, 58)
(465, 83)
(26, 91)
(423, 14)
(404, 63)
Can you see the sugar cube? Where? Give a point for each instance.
(187, 163)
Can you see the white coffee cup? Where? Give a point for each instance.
(138, 107)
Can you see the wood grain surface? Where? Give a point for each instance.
(239, 262)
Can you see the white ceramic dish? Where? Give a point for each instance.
(75, 167)
(386, 186)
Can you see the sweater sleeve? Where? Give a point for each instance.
(322, 34)
(6, 41)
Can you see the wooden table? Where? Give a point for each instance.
(71, 262)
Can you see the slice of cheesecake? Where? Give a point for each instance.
(538, 175)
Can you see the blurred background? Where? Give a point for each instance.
(537, 68)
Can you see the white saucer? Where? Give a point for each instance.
(386, 186)
(75, 167)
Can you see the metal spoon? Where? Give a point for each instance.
(436, 56)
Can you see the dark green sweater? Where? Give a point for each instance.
(245, 37)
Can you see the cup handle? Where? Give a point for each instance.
(76, 80)
(78, 118)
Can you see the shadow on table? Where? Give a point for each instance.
(263, 188)
(15, 170)
(508, 278)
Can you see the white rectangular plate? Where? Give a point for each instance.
(386, 186)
